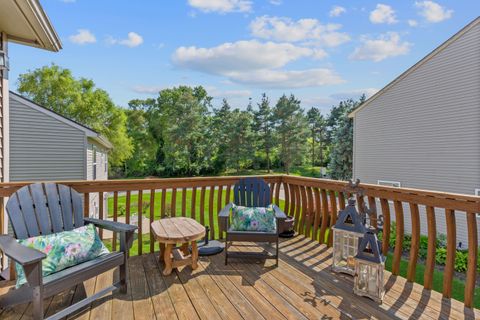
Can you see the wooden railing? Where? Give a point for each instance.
(313, 202)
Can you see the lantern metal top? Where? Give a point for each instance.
(369, 248)
(350, 220)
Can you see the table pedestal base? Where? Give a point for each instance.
(176, 257)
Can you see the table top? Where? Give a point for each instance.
(176, 230)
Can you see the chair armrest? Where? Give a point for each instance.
(279, 214)
(19, 253)
(224, 217)
(111, 225)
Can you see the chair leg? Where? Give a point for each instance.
(35, 280)
(226, 250)
(276, 254)
(37, 303)
(123, 278)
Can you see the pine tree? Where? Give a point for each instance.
(317, 126)
(264, 128)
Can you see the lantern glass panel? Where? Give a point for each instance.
(345, 249)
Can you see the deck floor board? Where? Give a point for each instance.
(301, 287)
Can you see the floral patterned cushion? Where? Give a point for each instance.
(64, 249)
(253, 219)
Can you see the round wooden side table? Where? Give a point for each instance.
(172, 231)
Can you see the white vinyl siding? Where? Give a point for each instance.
(43, 148)
(425, 129)
(94, 150)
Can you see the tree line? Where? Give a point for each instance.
(181, 133)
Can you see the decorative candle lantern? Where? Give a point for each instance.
(346, 232)
(369, 267)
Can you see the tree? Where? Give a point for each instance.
(221, 127)
(181, 119)
(240, 139)
(290, 124)
(341, 158)
(264, 128)
(78, 99)
(316, 124)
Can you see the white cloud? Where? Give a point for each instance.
(412, 23)
(256, 63)
(221, 6)
(276, 2)
(212, 91)
(240, 56)
(385, 46)
(83, 36)
(337, 11)
(383, 14)
(133, 40)
(286, 29)
(433, 12)
(284, 79)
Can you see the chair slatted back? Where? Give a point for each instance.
(44, 208)
(251, 192)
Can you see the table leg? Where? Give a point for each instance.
(168, 259)
(162, 252)
(194, 255)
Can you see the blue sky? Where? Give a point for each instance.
(319, 50)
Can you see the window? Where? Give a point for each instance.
(477, 192)
(389, 183)
(94, 162)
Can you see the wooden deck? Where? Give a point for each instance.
(302, 287)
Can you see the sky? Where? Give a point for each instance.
(321, 51)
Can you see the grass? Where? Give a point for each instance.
(458, 286)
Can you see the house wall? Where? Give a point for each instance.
(424, 131)
(101, 173)
(42, 147)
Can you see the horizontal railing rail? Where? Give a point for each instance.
(314, 203)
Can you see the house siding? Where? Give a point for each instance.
(42, 147)
(424, 131)
(102, 174)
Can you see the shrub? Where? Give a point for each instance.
(441, 256)
(461, 259)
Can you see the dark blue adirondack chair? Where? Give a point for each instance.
(250, 192)
(46, 208)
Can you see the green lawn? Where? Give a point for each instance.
(457, 288)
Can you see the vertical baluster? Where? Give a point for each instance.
(194, 203)
(287, 198)
(202, 206)
(184, 202)
(415, 243)
(86, 205)
(100, 213)
(219, 207)
(152, 218)
(372, 205)
(292, 202)
(397, 254)
(431, 249)
(115, 218)
(298, 207)
(140, 222)
(386, 225)
(272, 190)
(173, 205)
(341, 200)
(472, 258)
(163, 204)
(451, 250)
(127, 207)
(333, 216)
(304, 214)
(210, 212)
(323, 227)
(310, 212)
(318, 212)
(227, 194)
(277, 194)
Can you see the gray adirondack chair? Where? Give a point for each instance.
(250, 192)
(45, 208)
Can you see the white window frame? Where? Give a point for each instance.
(389, 183)
(94, 162)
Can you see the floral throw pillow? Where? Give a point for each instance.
(253, 219)
(64, 249)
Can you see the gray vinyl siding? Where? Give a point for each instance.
(44, 148)
(102, 174)
(424, 131)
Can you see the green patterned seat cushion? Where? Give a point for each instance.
(259, 219)
(64, 249)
